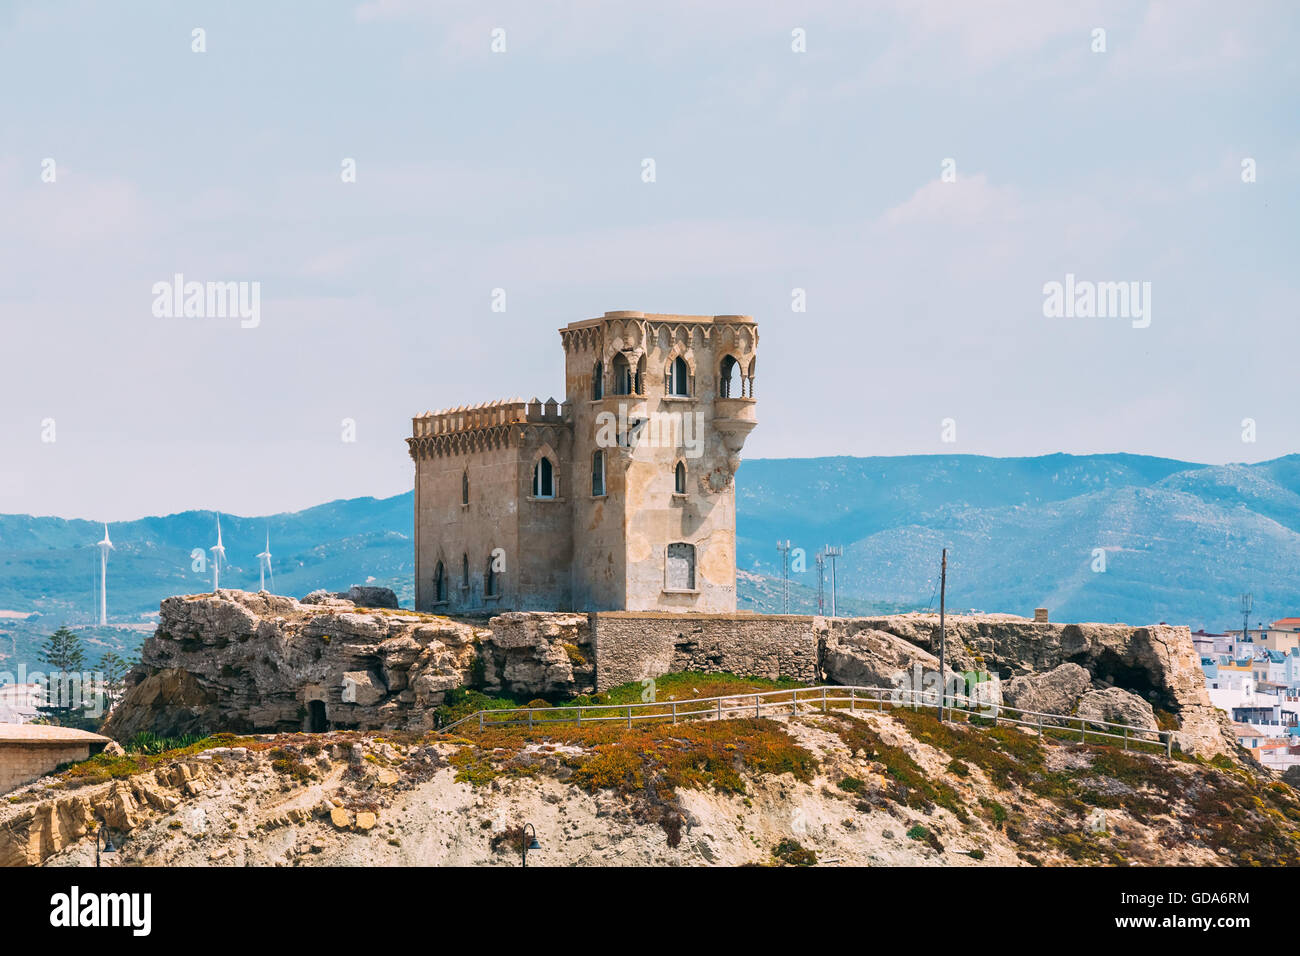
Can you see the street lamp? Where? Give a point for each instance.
(525, 844)
(108, 841)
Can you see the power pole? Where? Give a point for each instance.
(943, 586)
(1247, 601)
(833, 553)
(821, 583)
(784, 548)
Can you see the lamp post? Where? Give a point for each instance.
(525, 845)
(108, 841)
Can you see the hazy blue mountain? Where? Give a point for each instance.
(1181, 540)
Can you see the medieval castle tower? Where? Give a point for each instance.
(620, 498)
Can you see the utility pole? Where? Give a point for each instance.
(1247, 601)
(943, 586)
(784, 548)
(833, 553)
(821, 583)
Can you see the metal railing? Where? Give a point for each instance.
(797, 700)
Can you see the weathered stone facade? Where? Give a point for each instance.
(620, 497)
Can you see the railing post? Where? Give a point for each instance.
(794, 702)
(530, 718)
(1083, 731)
(1126, 736)
(719, 708)
(823, 700)
(852, 697)
(758, 702)
(629, 716)
(1169, 744)
(480, 720)
(674, 712)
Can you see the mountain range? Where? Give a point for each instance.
(1111, 537)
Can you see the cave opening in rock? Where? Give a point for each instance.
(316, 720)
(1110, 669)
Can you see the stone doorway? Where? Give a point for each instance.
(316, 721)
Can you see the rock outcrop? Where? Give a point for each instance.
(1053, 692)
(362, 595)
(1158, 663)
(241, 662)
(1117, 706)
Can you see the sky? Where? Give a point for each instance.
(920, 170)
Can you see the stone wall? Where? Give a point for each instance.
(22, 763)
(633, 646)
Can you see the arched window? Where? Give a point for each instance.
(543, 479)
(622, 375)
(729, 379)
(679, 378)
(464, 487)
(490, 579)
(679, 568)
(598, 381)
(598, 474)
(464, 572)
(439, 584)
(638, 383)
(679, 478)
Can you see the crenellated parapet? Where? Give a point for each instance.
(484, 427)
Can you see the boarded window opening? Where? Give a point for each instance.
(680, 570)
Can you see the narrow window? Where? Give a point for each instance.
(598, 381)
(464, 487)
(729, 380)
(439, 584)
(622, 375)
(490, 579)
(638, 384)
(464, 572)
(543, 479)
(679, 478)
(598, 474)
(677, 378)
(679, 573)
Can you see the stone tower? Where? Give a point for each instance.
(620, 498)
(666, 401)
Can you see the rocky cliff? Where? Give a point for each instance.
(241, 662)
(815, 788)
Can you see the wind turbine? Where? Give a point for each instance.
(104, 546)
(218, 555)
(264, 563)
